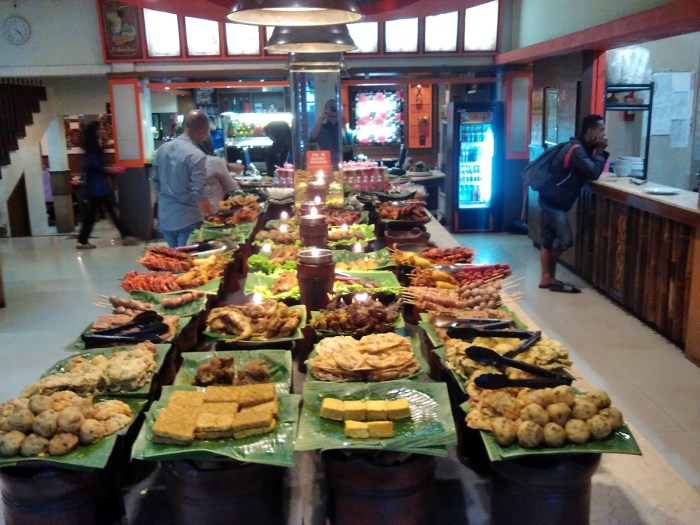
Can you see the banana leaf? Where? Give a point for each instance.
(430, 427)
(161, 352)
(255, 341)
(399, 325)
(278, 362)
(82, 457)
(274, 448)
(415, 343)
(381, 259)
(621, 441)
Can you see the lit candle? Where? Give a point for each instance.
(284, 216)
(357, 248)
(344, 228)
(267, 247)
(283, 228)
(313, 212)
(319, 176)
(361, 297)
(317, 200)
(257, 298)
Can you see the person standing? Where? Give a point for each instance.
(582, 160)
(280, 151)
(219, 182)
(326, 131)
(179, 181)
(97, 191)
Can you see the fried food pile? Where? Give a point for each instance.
(220, 371)
(238, 209)
(354, 231)
(219, 412)
(278, 237)
(166, 259)
(410, 212)
(358, 317)
(203, 271)
(269, 319)
(286, 282)
(120, 371)
(340, 217)
(548, 416)
(54, 425)
(375, 357)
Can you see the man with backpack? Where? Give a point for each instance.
(582, 159)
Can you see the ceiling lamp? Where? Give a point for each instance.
(294, 12)
(320, 39)
(315, 63)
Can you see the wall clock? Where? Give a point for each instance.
(16, 30)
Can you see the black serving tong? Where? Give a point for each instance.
(470, 331)
(202, 246)
(486, 356)
(149, 325)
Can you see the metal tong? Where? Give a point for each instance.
(470, 331)
(486, 356)
(149, 323)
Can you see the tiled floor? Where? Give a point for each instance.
(50, 289)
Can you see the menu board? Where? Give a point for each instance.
(378, 117)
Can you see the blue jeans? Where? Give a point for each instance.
(179, 238)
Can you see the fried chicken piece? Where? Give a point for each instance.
(253, 373)
(218, 371)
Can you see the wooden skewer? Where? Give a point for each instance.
(102, 305)
(176, 292)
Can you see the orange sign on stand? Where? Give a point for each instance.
(319, 161)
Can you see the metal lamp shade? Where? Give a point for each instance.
(294, 12)
(319, 39)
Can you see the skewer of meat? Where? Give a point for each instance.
(180, 300)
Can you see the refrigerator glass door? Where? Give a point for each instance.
(475, 180)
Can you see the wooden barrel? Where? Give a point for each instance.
(48, 495)
(544, 490)
(224, 492)
(363, 492)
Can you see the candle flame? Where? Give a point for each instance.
(344, 228)
(361, 297)
(313, 212)
(319, 176)
(283, 228)
(317, 200)
(284, 216)
(267, 247)
(257, 298)
(315, 252)
(357, 248)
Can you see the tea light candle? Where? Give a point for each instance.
(267, 247)
(357, 248)
(284, 216)
(284, 228)
(313, 230)
(344, 228)
(257, 298)
(317, 200)
(361, 297)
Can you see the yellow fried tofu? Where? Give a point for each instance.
(355, 410)
(213, 426)
(186, 398)
(271, 407)
(251, 395)
(398, 409)
(356, 429)
(376, 410)
(247, 419)
(174, 428)
(332, 408)
(221, 394)
(381, 429)
(255, 431)
(219, 408)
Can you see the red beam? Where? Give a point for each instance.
(673, 19)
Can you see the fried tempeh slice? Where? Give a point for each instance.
(247, 419)
(254, 431)
(221, 394)
(251, 395)
(219, 408)
(174, 427)
(186, 398)
(213, 426)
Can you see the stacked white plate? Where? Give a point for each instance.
(629, 166)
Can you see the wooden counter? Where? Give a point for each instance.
(643, 251)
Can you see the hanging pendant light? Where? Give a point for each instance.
(294, 12)
(319, 39)
(316, 63)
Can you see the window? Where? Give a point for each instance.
(441, 32)
(162, 33)
(366, 37)
(401, 36)
(242, 39)
(202, 37)
(481, 27)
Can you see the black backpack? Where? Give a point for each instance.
(539, 170)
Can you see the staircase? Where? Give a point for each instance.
(19, 99)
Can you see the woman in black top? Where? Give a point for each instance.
(97, 191)
(278, 153)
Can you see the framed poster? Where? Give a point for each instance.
(121, 30)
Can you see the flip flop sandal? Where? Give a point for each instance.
(563, 288)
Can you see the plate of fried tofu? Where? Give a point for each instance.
(250, 423)
(399, 415)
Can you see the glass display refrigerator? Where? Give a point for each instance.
(473, 150)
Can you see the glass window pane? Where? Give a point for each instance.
(441, 32)
(401, 36)
(481, 27)
(242, 39)
(202, 36)
(162, 33)
(366, 37)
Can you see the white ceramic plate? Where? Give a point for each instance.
(661, 191)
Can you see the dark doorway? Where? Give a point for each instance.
(18, 210)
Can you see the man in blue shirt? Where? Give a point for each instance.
(179, 181)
